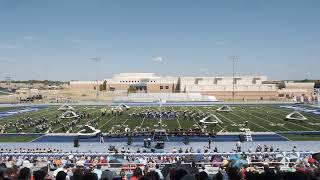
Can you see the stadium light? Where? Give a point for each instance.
(233, 58)
(97, 60)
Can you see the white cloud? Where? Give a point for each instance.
(157, 59)
(204, 69)
(7, 46)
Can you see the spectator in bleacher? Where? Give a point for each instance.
(90, 176)
(202, 176)
(193, 169)
(146, 169)
(233, 173)
(218, 176)
(151, 176)
(98, 171)
(24, 174)
(39, 175)
(107, 175)
(77, 174)
(137, 173)
(179, 174)
(61, 175)
(157, 170)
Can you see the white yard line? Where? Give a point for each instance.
(310, 116)
(107, 122)
(263, 119)
(37, 138)
(294, 123)
(195, 120)
(256, 123)
(36, 116)
(128, 118)
(283, 137)
(279, 118)
(142, 122)
(177, 118)
(179, 123)
(124, 121)
(246, 119)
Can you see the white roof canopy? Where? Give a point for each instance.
(296, 116)
(69, 115)
(66, 107)
(224, 108)
(211, 119)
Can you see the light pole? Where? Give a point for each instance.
(233, 58)
(97, 60)
(8, 81)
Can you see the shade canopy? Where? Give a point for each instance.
(211, 119)
(69, 115)
(224, 108)
(66, 107)
(296, 116)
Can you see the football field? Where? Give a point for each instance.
(259, 118)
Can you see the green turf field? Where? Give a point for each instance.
(308, 137)
(14, 138)
(7, 108)
(261, 118)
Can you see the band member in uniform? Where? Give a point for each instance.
(101, 138)
(246, 124)
(145, 142)
(129, 140)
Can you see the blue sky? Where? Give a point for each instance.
(57, 39)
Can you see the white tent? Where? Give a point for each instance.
(296, 116)
(66, 107)
(210, 120)
(88, 131)
(224, 108)
(124, 106)
(69, 115)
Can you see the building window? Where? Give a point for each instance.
(161, 87)
(167, 87)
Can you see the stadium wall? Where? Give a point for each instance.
(245, 87)
(243, 95)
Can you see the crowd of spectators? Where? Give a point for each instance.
(52, 164)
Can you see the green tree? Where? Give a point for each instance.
(104, 85)
(101, 87)
(132, 89)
